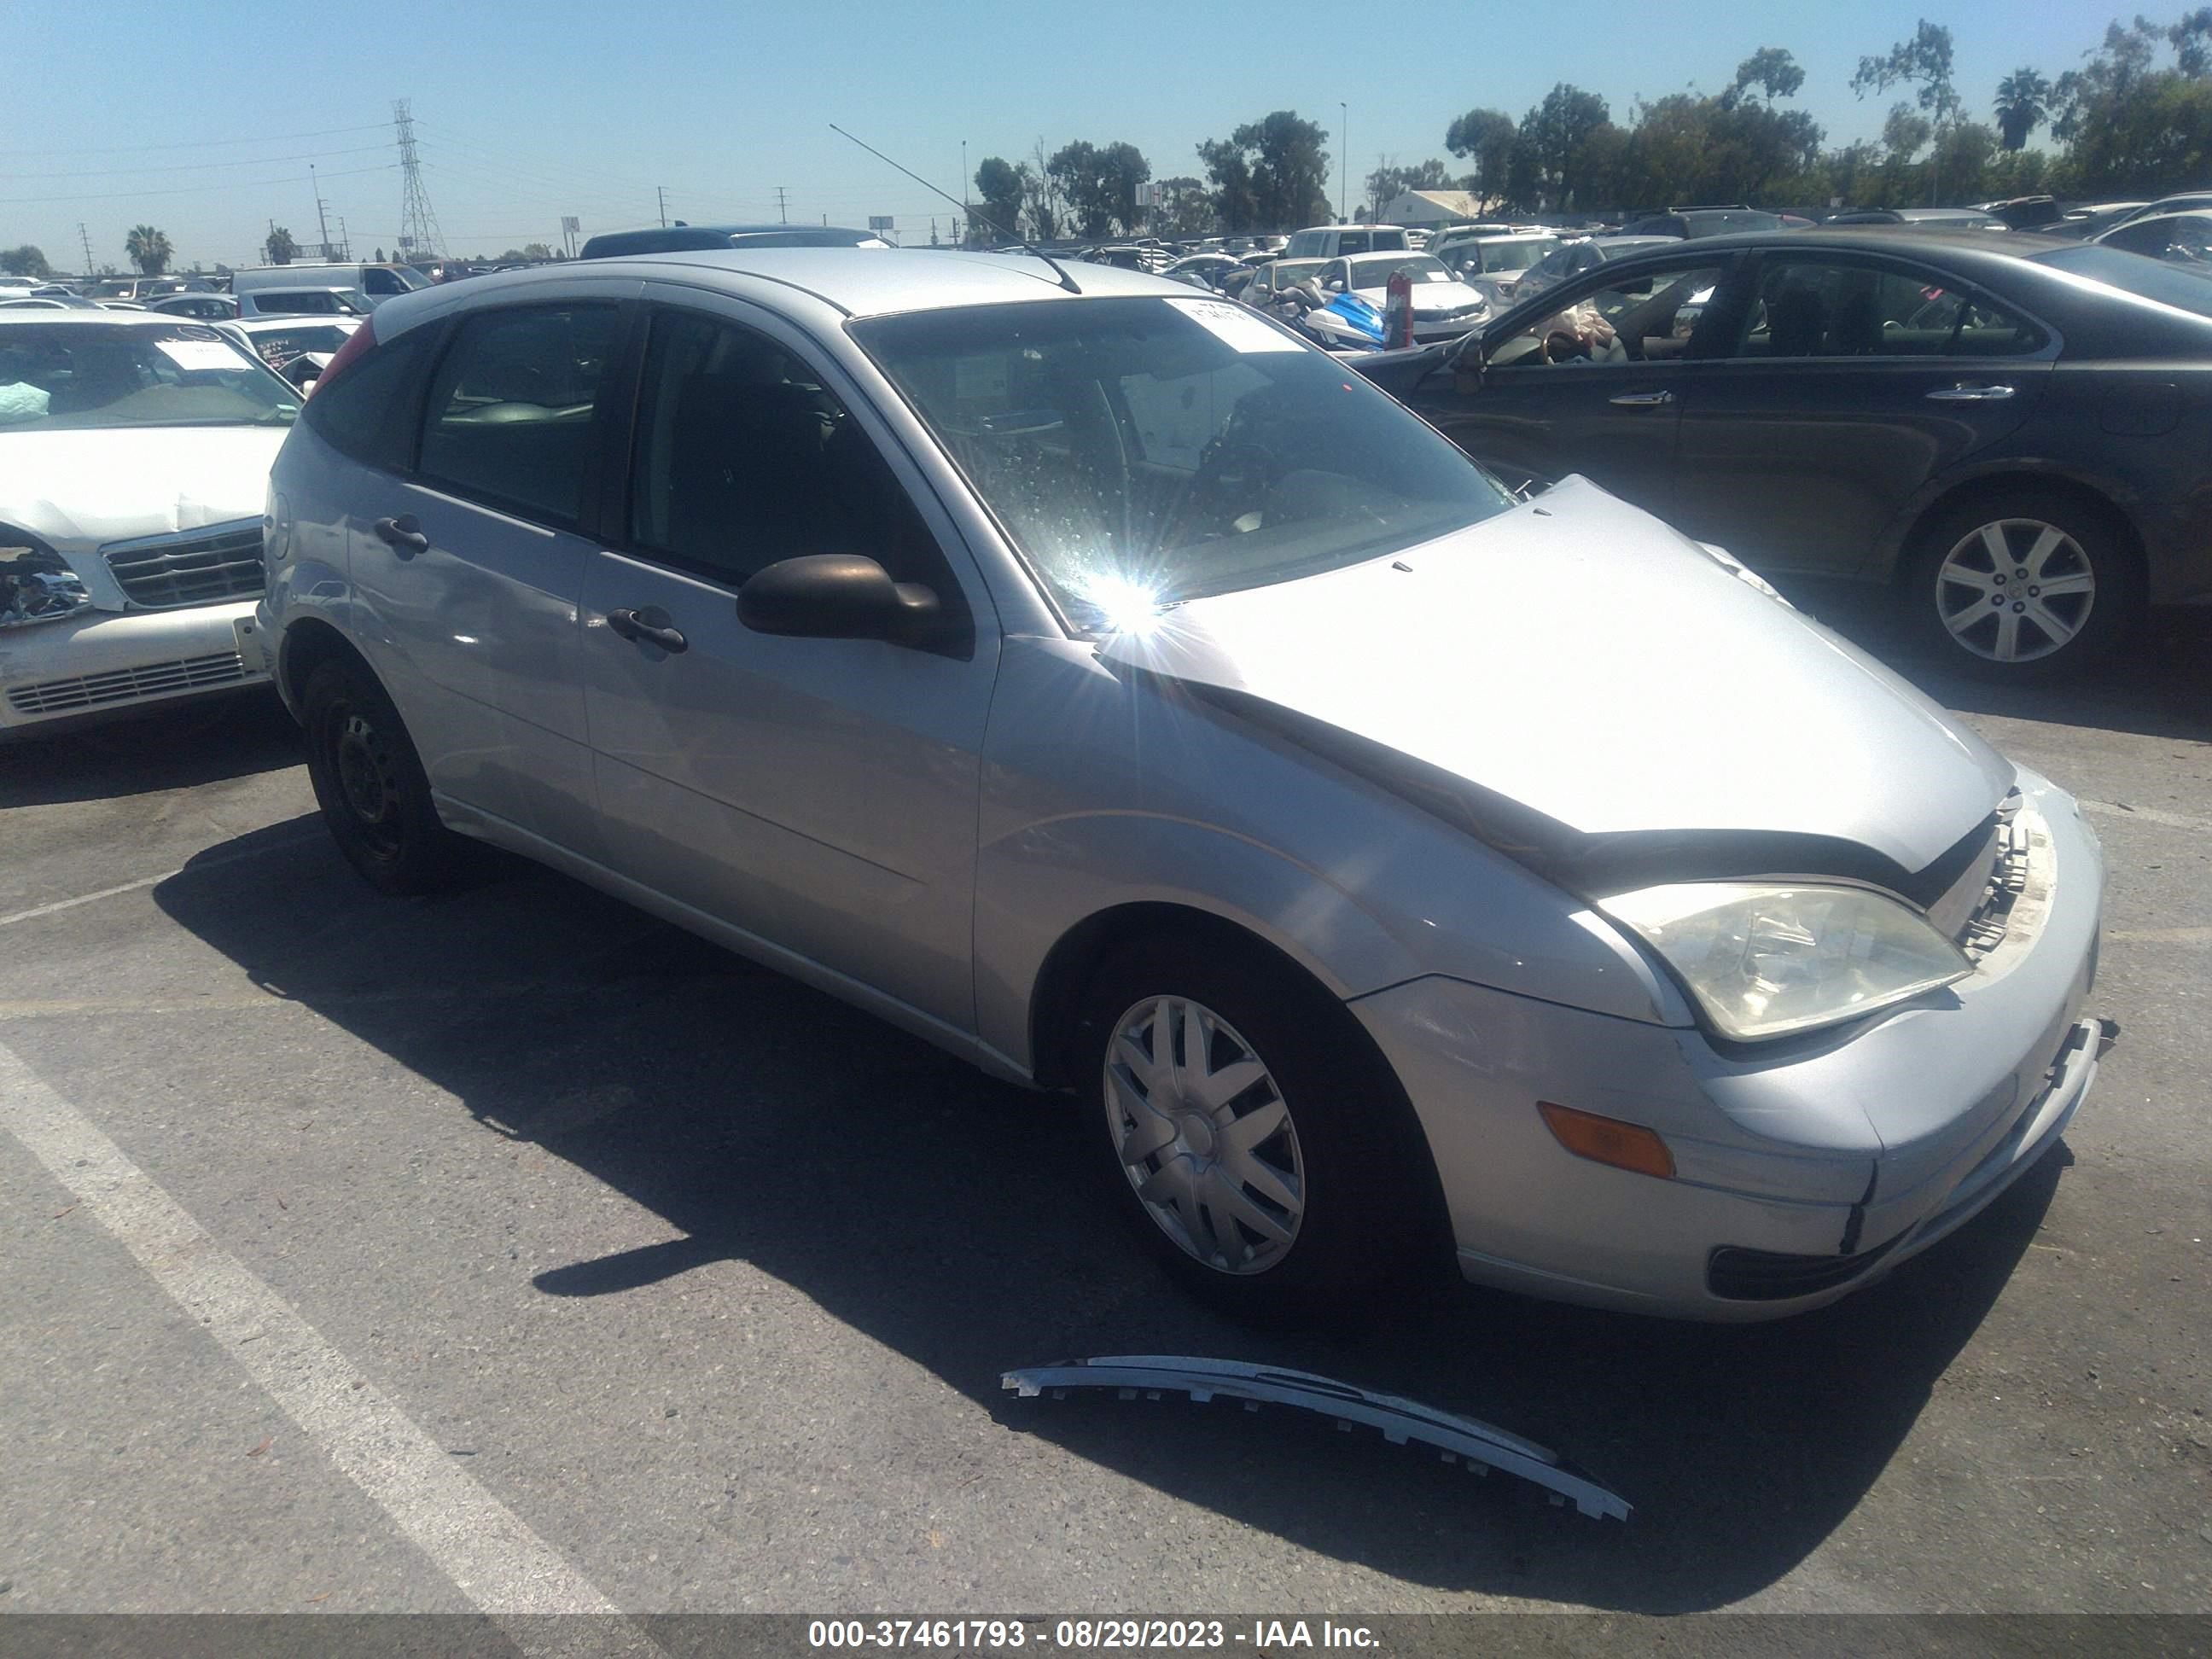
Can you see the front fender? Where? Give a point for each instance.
(1106, 787)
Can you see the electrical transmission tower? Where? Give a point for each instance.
(418, 224)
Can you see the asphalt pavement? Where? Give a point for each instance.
(511, 1250)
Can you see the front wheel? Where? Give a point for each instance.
(1256, 1142)
(2028, 585)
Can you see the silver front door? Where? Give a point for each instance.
(819, 794)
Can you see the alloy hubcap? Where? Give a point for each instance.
(367, 779)
(1204, 1135)
(2015, 590)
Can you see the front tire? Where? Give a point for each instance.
(2024, 586)
(370, 784)
(1256, 1142)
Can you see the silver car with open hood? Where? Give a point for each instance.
(1101, 682)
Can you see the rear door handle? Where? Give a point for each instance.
(1641, 400)
(1963, 393)
(649, 627)
(403, 535)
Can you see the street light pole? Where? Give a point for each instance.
(1344, 168)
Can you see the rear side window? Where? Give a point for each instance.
(1814, 308)
(367, 414)
(509, 415)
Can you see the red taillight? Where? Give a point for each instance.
(359, 344)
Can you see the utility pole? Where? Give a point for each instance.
(87, 242)
(782, 207)
(965, 233)
(663, 191)
(419, 235)
(1344, 170)
(322, 225)
(345, 239)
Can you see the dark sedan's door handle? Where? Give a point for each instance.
(649, 627)
(403, 535)
(1963, 393)
(1641, 400)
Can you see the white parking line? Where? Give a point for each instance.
(491, 1555)
(2149, 814)
(152, 881)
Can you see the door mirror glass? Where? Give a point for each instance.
(839, 596)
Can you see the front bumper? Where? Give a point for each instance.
(1803, 1169)
(101, 662)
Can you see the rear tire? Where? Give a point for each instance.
(370, 784)
(1260, 1147)
(2028, 585)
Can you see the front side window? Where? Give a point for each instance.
(744, 459)
(377, 281)
(1171, 447)
(1824, 309)
(509, 413)
(181, 374)
(1645, 315)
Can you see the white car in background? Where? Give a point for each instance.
(1444, 308)
(297, 348)
(134, 469)
(1492, 265)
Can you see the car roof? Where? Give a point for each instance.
(1949, 239)
(76, 318)
(859, 281)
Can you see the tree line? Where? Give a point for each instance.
(2135, 119)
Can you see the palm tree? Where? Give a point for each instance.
(280, 247)
(149, 249)
(2023, 100)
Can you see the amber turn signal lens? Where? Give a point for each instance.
(1608, 1140)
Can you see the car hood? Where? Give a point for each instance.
(1428, 297)
(1601, 682)
(77, 490)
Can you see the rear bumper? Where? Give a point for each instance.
(103, 662)
(1787, 1195)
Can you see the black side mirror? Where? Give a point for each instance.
(842, 596)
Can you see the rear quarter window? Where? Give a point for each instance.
(368, 413)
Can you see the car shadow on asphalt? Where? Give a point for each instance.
(965, 1224)
(232, 736)
(2158, 685)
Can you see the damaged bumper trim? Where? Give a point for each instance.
(1481, 1446)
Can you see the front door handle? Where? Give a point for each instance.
(1963, 393)
(403, 535)
(649, 627)
(1641, 400)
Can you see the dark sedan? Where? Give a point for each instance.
(2011, 430)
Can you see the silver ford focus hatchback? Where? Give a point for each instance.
(1093, 678)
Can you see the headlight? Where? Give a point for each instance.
(1764, 960)
(36, 583)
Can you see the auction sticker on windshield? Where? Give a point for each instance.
(1235, 326)
(199, 353)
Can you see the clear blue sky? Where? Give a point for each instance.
(202, 118)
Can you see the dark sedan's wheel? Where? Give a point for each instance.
(370, 784)
(2030, 585)
(1258, 1146)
